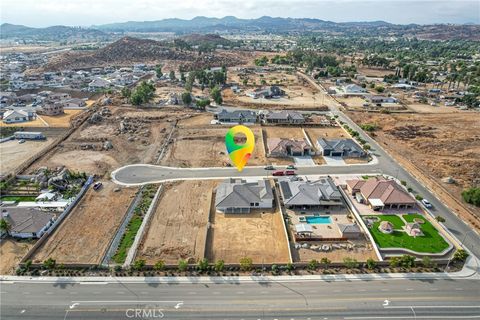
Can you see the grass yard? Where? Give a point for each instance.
(431, 241)
(18, 198)
(128, 239)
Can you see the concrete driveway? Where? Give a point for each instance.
(334, 161)
(304, 161)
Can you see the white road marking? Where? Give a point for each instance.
(48, 292)
(409, 289)
(23, 311)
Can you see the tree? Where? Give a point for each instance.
(159, 265)
(219, 265)
(126, 92)
(216, 95)
(203, 264)
(312, 265)
(5, 226)
(380, 89)
(138, 264)
(186, 98)
(158, 71)
(203, 103)
(49, 263)
(142, 94)
(350, 263)
(460, 255)
(245, 82)
(182, 265)
(246, 263)
(440, 219)
(325, 262)
(371, 264)
(172, 75)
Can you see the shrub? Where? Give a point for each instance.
(289, 267)
(246, 264)
(325, 262)
(159, 265)
(138, 264)
(403, 182)
(219, 265)
(440, 219)
(460, 255)
(371, 264)
(407, 261)
(380, 89)
(472, 196)
(182, 265)
(50, 263)
(419, 197)
(312, 265)
(202, 264)
(427, 262)
(394, 262)
(350, 263)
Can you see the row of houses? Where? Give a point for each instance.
(282, 147)
(249, 116)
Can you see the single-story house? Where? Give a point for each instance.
(380, 193)
(98, 83)
(267, 93)
(31, 135)
(240, 196)
(27, 222)
(322, 193)
(280, 147)
(237, 116)
(382, 99)
(52, 109)
(285, 117)
(340, 148)
(349, 231)
(14, 116)
(74, 103)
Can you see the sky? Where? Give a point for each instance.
(41, 13)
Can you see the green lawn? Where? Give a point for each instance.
(127, 239)
(18, 198)
(395, 220)
(431, 241)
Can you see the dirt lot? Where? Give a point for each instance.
(256, 235)
(84, 236)
(374, 72)
(139, 143)
(178, 227)
(435, 146)
(205, 147)
(11, 252)
(13, 154)
(326, 133)
(284, 132)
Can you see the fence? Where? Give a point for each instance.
(60, 218)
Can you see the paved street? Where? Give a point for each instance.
(428, 299)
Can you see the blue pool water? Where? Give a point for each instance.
(318, 220)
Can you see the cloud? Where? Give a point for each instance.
(89, 12)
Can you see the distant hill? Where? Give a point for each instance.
(205, 39)
(129, 50)
(54, 33)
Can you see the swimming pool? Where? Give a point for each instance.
(318, 220)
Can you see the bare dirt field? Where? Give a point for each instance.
(84, 236)
(178, 227)
(327, 133)
(140, 142)
(374, 72)
(11, 252)
(284, 132)
(13, 154)
(256, 235)
(205, 147)
(197, 120)
(432, 147)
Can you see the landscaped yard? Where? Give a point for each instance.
(18, 198)
(431, 241)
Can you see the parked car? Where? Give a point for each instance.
(290, 173)
(278, 173)
(426, 203)
(291, 166)
(270, 167)
(21, 141)
(97, 185)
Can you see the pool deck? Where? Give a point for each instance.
(326, 230)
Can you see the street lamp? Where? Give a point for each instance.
(461, 242)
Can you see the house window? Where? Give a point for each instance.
(252, 204)
(256, 204)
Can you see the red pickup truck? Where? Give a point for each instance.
(290, 173)
(278, 173)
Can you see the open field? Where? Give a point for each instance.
(11, 252)
(284, 132)
(258, 235)
(432, 147)
(326, 133)
(205, 147)
(178, 228)
(13, 154)
(430, 242)
(84, 236)
(374, 72)
(139, 143)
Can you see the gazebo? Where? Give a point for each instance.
(386, 227)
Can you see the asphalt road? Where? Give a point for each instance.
(407, 299)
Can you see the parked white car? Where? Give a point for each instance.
(426, 203)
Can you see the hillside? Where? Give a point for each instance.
(128, 51)
(53, 33)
